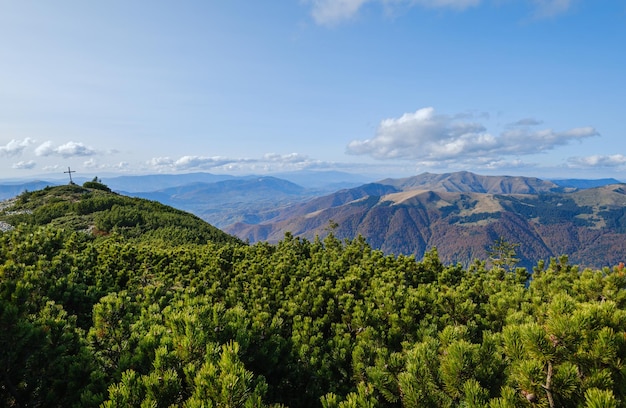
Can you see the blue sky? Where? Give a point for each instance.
(381, 87)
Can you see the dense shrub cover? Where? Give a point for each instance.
(115, 322)
(95, 208)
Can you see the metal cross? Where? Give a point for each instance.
(70, 173)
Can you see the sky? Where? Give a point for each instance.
(388, 88)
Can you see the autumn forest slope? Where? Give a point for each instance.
(461, 214)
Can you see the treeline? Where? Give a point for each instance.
(116, 322)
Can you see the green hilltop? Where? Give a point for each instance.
(93, 208)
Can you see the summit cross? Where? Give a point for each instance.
(70, 173)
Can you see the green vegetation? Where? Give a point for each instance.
(94, 208)
(129, 318)
(97, 184)
(550, 208)
(503, 254)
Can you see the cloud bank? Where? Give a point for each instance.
(426, 138)
(610, 161)
(24, 165)
(329, 12)
(67, 150)
(189, 162)
(551, 8)
(269, 162)
(15, 147)
(334, 11)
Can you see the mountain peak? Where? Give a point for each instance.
(465, 181)
(461, 214)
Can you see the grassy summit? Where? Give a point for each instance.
(93, 208)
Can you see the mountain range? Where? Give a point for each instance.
(219, 199)
(461, 213)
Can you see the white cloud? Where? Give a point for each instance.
(286, 158)
(160, 161)
(453, 4)
(328, 12)
(614, 160)
(506, 164)
(22, 165)
(200, 162)
(69, 149)
(333, 11)
(550, 8)
(425, 136)
(90, 164)
(523, 141)
(527, 122)
(269, 162)
(45, 149)
(15, 147)
(189, 162)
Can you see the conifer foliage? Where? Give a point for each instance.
(108, 321)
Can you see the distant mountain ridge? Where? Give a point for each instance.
(218, 199)
(465, 181)
(462, 214)
(12, 189)
(582, 183)
(225, 202)
(154, 182)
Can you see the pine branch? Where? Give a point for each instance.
(548, 385)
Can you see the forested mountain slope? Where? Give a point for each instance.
(461, 214)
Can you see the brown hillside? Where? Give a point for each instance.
(403, 217)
